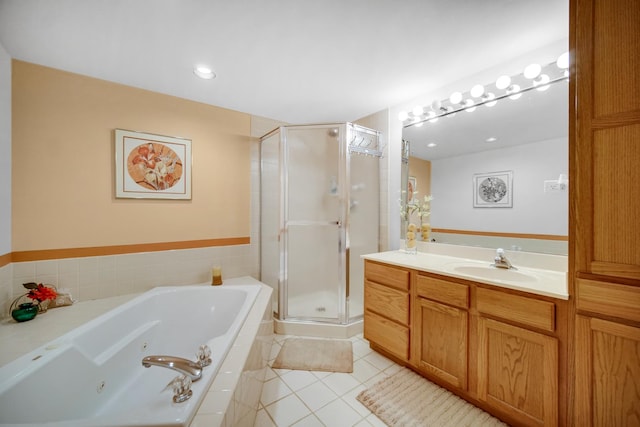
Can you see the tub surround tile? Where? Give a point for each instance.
(24, 269)
(207, 420)
(130, 273)
(47, 268)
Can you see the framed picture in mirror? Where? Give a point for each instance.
(493, 190)
(411, 189)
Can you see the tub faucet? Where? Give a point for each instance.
(184, 366)
(501, 261)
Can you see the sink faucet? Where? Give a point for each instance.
(185, 366)
(501, 261)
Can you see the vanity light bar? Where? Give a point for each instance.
(536, 76)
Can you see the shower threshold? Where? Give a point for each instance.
(317, 329)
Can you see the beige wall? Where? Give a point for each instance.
(421, 170)
(63, 164)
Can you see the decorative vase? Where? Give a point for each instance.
(25, 311)
(410, 242)
(425, 229)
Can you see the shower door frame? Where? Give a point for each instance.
(341, 222)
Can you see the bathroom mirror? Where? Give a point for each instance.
(524, 141)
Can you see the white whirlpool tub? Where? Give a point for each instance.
(93, 375)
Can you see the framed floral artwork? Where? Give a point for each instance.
(411, 189)
(493, 190)
(152, 166)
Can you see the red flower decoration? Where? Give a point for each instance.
(41, 292)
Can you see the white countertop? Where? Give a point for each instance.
(540, 281)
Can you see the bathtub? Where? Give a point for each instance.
(93, 375)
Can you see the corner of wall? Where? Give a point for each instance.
(5, 151)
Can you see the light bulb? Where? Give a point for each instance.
(418, 110)
(469, 106)
(563, 61)
(503, 82)
(403, 115)
(515, 91)
(532, 71)
(489, 99)
(455, 98)
(541, 82)
(204, 72)
(477, 91)
(450, 111)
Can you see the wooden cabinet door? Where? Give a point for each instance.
(605, 202)
(442, 342)
(518, 372)
(607, 373)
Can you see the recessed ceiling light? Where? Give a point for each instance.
(491, 139)
(431, 144)
(204, 72)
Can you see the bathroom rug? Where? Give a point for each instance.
(312, 354)
(405, 399)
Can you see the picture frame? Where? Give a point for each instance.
(150, 166)
(493, 190)
(412, 187)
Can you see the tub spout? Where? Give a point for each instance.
(184, 366)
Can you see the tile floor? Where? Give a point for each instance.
(314, 398)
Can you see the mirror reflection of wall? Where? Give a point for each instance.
(420, 172)
(527, 137)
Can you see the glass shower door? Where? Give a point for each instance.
(313, 241)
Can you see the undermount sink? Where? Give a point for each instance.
(493, 273)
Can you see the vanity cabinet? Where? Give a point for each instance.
(441, 329)
(500, 349)
(517, 360)
(386, 309)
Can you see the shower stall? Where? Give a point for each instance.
(320, 195)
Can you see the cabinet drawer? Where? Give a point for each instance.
(387, 275)
(455, 294)
(609, 299)
(524, 310)
(389, 335)
(387, 301)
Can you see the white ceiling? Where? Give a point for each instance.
(298, 61)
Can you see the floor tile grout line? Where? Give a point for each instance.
(356, 357)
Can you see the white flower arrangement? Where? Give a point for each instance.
(422, 208)
(416, 206)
